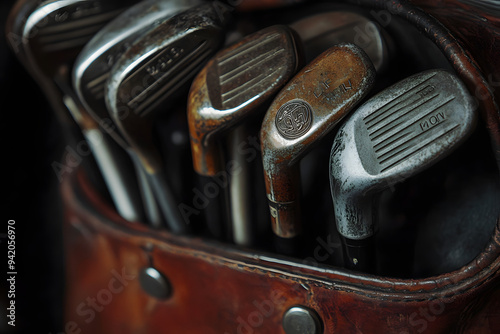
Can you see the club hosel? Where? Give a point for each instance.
(283, 195)
(354, 212)
(205, 149)
(206, 158)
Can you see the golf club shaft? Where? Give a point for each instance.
(112, 164)
(239, 186)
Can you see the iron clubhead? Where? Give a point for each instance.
(93, 65)
(233, 85)
(309, 107)
(56, 30)
(397, 133)
(155, 67)
(149, 74)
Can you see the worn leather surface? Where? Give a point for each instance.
(217, 289)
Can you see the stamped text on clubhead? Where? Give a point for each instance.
(93, 65)
(148, 75)
(394, 135)
(310, 105)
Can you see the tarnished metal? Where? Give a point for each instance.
(317, 98)
(396, 134)
(93, 65)
(56, 31)
(47, 36)
(232, 85)
(301, 320)
(50, 35)
(152, 72)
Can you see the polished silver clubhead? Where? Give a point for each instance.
(321, 31)
(394, 135)
(93, 65)
(151, 73)
(229, 89)
(305, 111)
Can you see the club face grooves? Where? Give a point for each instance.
(57, 30)
(252, 68)
(156, 69)
(411, 122)
(235, 82)
(159, 75)
(97, 58)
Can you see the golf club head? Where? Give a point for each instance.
(320, 31)
(232, 85)
(397, 133)
(152, 72)
(155, 67)
(93, 65)
(309, 107)
(46, 37)
(55, 31)
(14, 27)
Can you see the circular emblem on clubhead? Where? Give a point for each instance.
(294, 119)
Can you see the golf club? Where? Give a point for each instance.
(52, 33)
(93, 65)
(310, 106)
(229, 89)
(108, 159)
(394, 135)
(150, 74)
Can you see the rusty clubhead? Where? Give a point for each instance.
(230, 88)
(150, 74)
(233, 85)
(310, 106)
(395, 134)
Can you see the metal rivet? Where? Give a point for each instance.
(154, 283)
(301, 320)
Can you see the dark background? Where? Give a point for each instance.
(32, 140)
